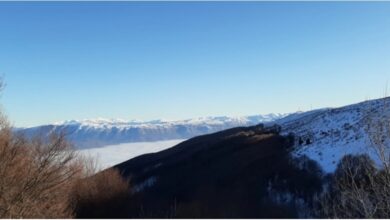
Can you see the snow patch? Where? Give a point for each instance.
(149, 182)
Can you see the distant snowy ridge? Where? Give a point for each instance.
(100, 132)
(105, 123)
(326, 135)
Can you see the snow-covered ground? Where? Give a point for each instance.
(329, 134)
(113, 154)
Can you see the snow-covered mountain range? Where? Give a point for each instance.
(102, 132)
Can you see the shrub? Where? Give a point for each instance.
(45, 178)
(100, 195)
(357, 190)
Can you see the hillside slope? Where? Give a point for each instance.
(326, 135)
(270, 171)
(243, 172)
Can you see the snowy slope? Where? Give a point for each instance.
(103, 132)
(326, 135)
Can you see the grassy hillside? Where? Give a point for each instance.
(237, 173)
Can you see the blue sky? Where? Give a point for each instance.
(172, 60)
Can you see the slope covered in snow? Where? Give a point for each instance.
(326, 135)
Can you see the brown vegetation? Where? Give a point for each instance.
(100, 195)
(35, 176)
(44, 178)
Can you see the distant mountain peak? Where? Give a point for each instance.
(99, 132)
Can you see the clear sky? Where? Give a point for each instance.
(152, 60)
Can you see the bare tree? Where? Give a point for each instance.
(360, 187)
(43, 177)
(36, 176)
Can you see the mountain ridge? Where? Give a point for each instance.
(100, 132)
